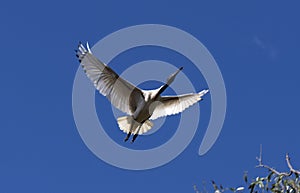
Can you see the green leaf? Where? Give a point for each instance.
(214, 185)
(221, 187)
(246, 177)
(269, 176)
(251, 187)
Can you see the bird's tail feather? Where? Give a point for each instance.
(127, 123)
(147, 125)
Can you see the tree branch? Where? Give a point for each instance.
(292, 170)
(261, 165)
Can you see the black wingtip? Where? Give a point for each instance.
(181, 68)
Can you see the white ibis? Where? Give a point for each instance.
(140, 105)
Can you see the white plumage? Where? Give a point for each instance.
(140, 105)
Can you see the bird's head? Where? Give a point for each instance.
(172, 77)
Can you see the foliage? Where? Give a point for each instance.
(274, 181)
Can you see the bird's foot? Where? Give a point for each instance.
(127, 137)
(134, 137)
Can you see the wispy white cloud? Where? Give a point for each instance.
(259, 42)
(267, 48)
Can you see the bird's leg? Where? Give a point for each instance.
(137, 133)
(127, 137)
(129, 133)
(134, 137)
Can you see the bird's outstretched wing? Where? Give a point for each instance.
(170, 105)
(122, 94)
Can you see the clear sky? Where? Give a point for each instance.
(256, 45)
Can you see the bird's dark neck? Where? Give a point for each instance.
(162, 89)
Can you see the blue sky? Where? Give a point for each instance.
(255, 44)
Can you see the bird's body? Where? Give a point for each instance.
(140, 105)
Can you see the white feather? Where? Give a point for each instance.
(88, 47)
(170, 105)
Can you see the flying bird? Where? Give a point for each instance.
(140, 105)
